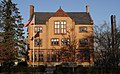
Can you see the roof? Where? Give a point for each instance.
(78, 17)
(60, 13)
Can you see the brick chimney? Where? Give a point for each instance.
(113, 30)
(87, 8)
(31, 10)
(113, 24)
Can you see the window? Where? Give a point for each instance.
(60, 27)
(63, 27)
(37, 42)
(48, 56)
(55, 41)
(35, 56)
(38, 29)
(57, 27)
(82, 29)
(84, 55)
(54, 57)
(59, 56)
(40, 56)
(83, 42)
(32, 56)
(65, 41)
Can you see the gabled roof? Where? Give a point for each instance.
(78, 17)
(60, 13)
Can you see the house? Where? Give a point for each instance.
(50, 31)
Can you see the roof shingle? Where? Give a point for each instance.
(78, 17)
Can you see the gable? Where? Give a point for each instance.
(60, 13)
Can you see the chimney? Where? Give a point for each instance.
(113, 24)
(87, 8)
(31, 10)
(113, 30)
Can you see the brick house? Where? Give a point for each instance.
(49, 33)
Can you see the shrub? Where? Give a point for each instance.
(23, 64)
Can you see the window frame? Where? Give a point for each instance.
(38, 29)
(62, 29)
(59, 55)
(40, 56)
(56, 28)
(66, 43)
(84, 55)
(40, 42)
(54, 44)
(48, 56)
(82, 29)
(54, 56)
(83, 43)
(35, 56)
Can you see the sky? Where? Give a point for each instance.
(100, 10)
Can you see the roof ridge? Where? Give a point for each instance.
(55, 12)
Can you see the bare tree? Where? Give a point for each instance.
(106, 55)
(69, 47)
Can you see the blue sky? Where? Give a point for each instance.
(100, 10)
